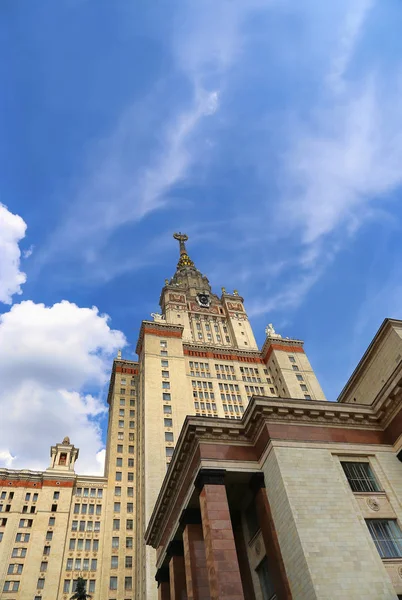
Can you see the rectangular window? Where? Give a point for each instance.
(49, 536)
(114, 563)
(292, 359)
(360, 476)
(43, 566)
(167, 410)
(165, 373)
(113, 583)
(166, 396)
(128, 583)
(85, 564)
(303, 387)
(11, 586)
(130, 476)
(41, 583)
(169, 451)
(129, 562)
(117, 507)
(165, 385)
(115, 542)
(168, 422)
(66, 586)
(299, 377)
(164, 363)
(168, 436)
(56, 495)
(387, 537)
(129, 542)
(94, 564)
(91, 587)
(119, 461)
(87, 545)
(130, 507)
(130, 462)
(129, 524)
(116, 524)
(131, 449)
(118, 476)
(130, 492)
(117, 491)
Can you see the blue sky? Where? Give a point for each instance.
(270, 131)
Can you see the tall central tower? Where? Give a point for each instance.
(198, 356)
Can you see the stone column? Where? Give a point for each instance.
(162, 577)
(223, 567)
(269, 535)
(194, 556)
(177, 571)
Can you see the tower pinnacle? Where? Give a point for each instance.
(184, 260)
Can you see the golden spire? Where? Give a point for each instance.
(184, 260)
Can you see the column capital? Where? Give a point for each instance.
(209, 477)
(175, 548)
(162, 575)
(257, 482)
(190, 516)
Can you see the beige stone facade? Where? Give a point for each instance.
(198, 357)
(313, 490)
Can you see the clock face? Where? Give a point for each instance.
(203, 300)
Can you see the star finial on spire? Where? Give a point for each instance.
(185, 260)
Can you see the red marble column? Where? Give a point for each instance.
(195, 563)
(223, 567)
(177, 571)
(162, 577)
(269, 535)
(164, 591)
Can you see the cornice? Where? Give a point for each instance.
(260, 412)
(384, 328)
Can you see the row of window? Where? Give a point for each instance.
(119, 476)
(89, 509)
(123, 391)
(89, 492)
(13, 586)
(123, 410)
(128, 562)
(86, 545)
(85, 526)
(84, 564)
(116, 542)
(129, 490)
(123, 402)
(205, 406)
(120, 436)
(129, 524)
(129, 507)
(231, 398)
(71, 586)
(129, 448)
(234, 408)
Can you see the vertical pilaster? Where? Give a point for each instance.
(222, 564)
(269, 535)
(194, 556)
(177, 571)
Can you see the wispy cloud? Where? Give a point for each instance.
(12, 231)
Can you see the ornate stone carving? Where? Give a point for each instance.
(66, 441)
(157, 317)
(373, 504)
(270, 331)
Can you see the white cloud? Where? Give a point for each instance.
(49, 356)
(12, 230)
(352, 27)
